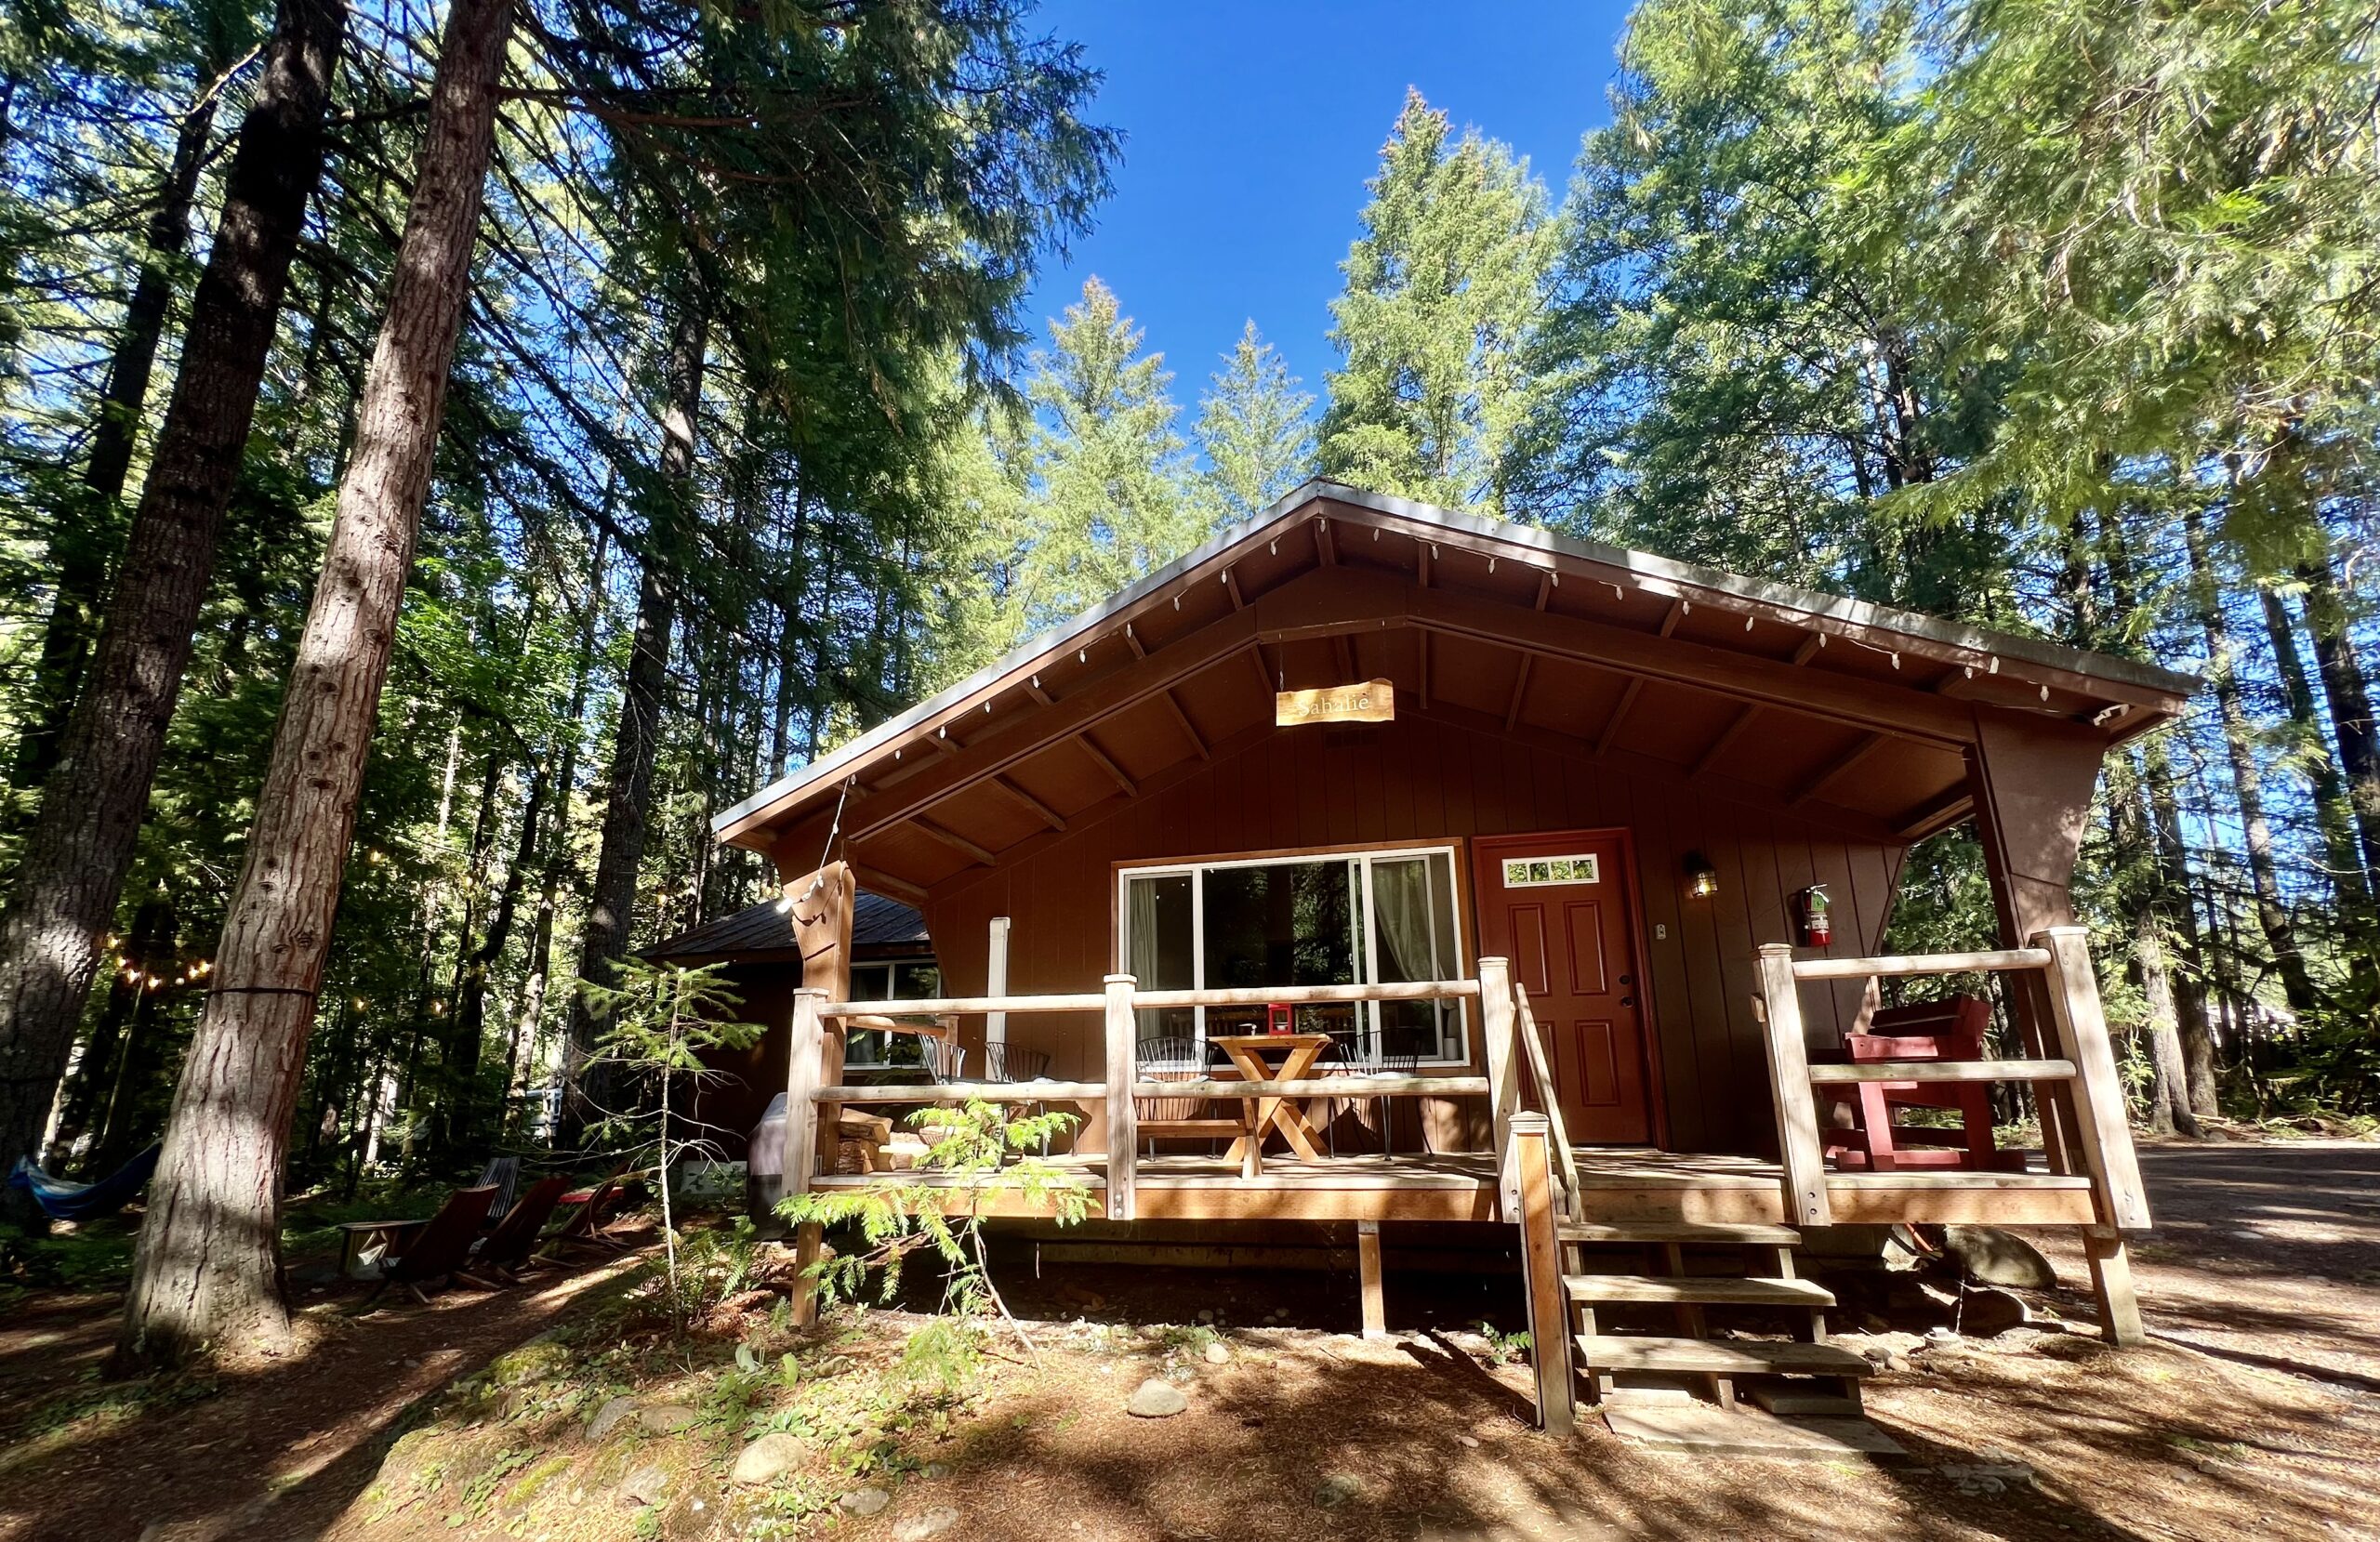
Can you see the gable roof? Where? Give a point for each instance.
(1467, 579)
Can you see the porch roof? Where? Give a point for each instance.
(1766, 691)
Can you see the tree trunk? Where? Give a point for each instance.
(2334, 817)
(206, 1273)
(78, 553)
(80, 845)
(2189, 989)
(470, 996)
(148, 946)
(528, 1030)
(637, 738)
(2336, 658)
(2238, 743)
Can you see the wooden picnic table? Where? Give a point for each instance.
(357, 1235)
(1298, 1053)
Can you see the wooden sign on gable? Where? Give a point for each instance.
(1368, 701)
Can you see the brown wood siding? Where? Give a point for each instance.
(1421, 781)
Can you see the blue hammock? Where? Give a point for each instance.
(60, 1201)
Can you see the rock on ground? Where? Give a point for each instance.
(934, 1522)
(1991, 1256)
(864, 1501)
(608, 1417)
(767, 1458)
(1157, 1400)
(668, 1418)
(646, 1486)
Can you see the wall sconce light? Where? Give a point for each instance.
(1701, 878)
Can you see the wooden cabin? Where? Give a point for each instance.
(1527, 836)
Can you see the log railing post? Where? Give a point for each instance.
(1548, 1312)
(2101, 1129)
(1498, 1026)
(2099, 1120)
(1798, 1151)
(1123, 1124)
(805, 1073)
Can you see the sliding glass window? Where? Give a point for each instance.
(1370, 917)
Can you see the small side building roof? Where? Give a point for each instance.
(881, 928)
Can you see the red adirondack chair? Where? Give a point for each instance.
(1861, 1134)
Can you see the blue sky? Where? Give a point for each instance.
(1250, 129)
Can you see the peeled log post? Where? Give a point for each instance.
(205, 1275)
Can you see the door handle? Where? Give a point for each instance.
(1628, 980)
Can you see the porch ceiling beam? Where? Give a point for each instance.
(1033, 732)
(1812, 646)
(1033, 688)
(1231, 586)
(1866, 827)
(1091, 747)
(1520, 691)
(1843, 766)
(1841, 698)
(1324, 549)
(1937, 650)
(1025, 800)
(1544, 588)
(1198, 740)
(957, 842)
(1719, 747)
(1423, 556)
(1937, 813)
(885, 883)
(1618, 714)
(1132, 640)
(1264, 676)
(1422, 642)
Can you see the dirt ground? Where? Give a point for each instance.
(2255, 1412)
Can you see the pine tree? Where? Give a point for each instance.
(1444, 291)
(1255, 428)
(1112, 496)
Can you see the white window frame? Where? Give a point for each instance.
(885, 971)
(1369, 959)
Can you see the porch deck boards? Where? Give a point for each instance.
(1619, 1185)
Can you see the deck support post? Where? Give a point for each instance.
(1123, 1124)
(2100, 1126)
(1368, 1272)
(1798, 1150)
(1497, 1025)
(804, 1074)
(2120, 1320)
(1549, 1311)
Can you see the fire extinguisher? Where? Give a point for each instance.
(1818, 918)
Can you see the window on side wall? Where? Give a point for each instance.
(897, 980)
(1335, 918)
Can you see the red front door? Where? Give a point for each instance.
(1559, 906)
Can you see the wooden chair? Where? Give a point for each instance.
(502, 1256)
(584, 1227)
(1861, 1134)
(438, 1251)
(1177, 1059)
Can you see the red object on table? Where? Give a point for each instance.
(1278, 1018)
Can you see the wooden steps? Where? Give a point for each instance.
(1700, 1290)
(1692, 1233)
(1610, 1352)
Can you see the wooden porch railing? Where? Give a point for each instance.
(2084, 1062)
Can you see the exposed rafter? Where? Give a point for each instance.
(1727, 736)
(1198, 740)
(1843, 766)
(1520, 691)
(1091, 747)
(1812, 646)
(957, 843)
(1019, 795)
